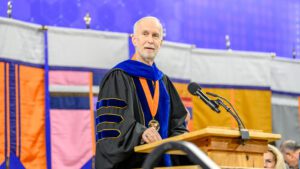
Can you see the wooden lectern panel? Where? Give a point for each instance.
(229, 151)
(224, 146)
(253, 160)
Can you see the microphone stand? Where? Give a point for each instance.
(244, 132)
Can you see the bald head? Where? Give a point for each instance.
(147, 18)
(147, 39)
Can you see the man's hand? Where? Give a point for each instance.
(150, 135)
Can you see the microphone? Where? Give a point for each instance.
(195, 90)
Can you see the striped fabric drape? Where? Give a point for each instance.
(22, 98)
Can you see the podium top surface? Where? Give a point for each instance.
(211, 132)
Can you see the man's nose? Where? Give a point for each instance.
(150, 39)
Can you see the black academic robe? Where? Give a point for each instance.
(115, 147)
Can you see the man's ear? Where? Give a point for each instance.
(133, 39)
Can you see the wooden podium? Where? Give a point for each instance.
(224, 146)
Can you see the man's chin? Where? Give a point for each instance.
(149, 57)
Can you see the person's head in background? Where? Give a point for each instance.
(290, 150)
(273, 159)
(147, 39)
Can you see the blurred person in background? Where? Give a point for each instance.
(273, 158)
(291, 150)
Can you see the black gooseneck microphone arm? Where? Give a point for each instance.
(227, 108)
(244, 132)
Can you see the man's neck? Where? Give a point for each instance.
(146, 61)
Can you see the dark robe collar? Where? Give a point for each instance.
(139, 69)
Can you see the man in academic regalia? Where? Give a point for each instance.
(137, 103)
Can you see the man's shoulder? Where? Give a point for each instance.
(166, 79)
(115, 74)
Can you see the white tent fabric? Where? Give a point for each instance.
(284, 100)
(231, 67)
(285, 75)
(174, 60)
(86, 48)
(21, 41)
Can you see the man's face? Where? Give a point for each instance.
(147, 40)
(269, 160)
(290, 158)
